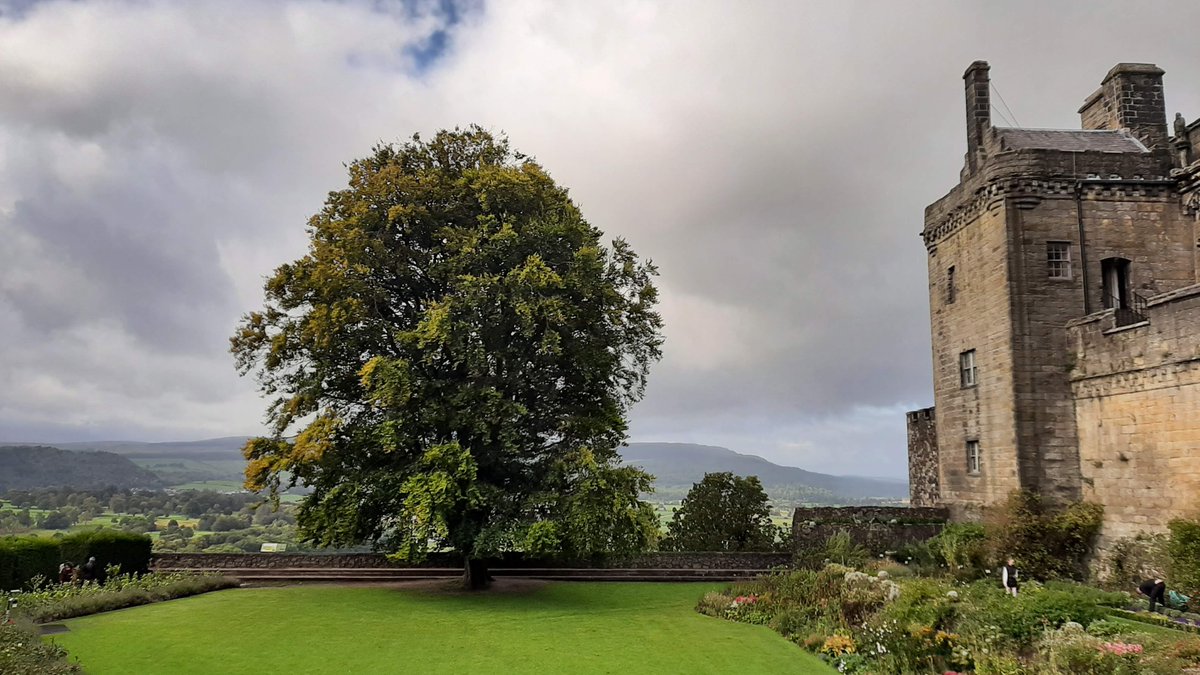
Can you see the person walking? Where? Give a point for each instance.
(1010, 577)
(66, 573)
(1156, 590)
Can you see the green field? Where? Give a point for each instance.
(554, 628)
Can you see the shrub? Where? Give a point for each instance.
(840, 549)
(920, 556)
(1133, 559)
(999, 664)
(714, 604)
(922, 602)
(1070, 650)
(1183, 555)
(962, 547)
(1046, 544)
(1018, 622)
(23, 652)
(1104, 628)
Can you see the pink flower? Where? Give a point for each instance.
(1121, 648)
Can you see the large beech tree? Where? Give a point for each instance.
(451, 364)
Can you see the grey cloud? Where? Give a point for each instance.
(774, 159)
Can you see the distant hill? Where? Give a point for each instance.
(176, 462)
(24, 467)
(229, 447)
(676, 466)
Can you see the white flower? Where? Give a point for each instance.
(953, 595)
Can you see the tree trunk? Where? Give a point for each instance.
(475, 575)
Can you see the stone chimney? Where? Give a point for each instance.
(979, 111)
(1131, 97)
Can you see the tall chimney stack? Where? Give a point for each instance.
(1131, 97)
(979, 110)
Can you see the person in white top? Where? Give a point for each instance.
(1010, 576)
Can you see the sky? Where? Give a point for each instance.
(159, 159)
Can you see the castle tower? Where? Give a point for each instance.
(1045, 227)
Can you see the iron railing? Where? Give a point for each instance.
(1131, 311)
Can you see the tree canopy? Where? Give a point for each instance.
(452, 362)
(722, 512)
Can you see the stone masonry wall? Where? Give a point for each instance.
(978, 319)
(1137, 397)
(922, 458)
(877, 528)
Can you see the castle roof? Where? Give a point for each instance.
(1069, 140)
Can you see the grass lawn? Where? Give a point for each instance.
(555, 628)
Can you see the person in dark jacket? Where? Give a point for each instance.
(1156, 590)
(89, 570)
(1010, 577)
(66, 573)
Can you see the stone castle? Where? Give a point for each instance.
(1064, 300)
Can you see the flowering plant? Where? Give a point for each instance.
(743, 600)
(837, 645)
(1121, 648)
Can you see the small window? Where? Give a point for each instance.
(966, 368)
(1058, 259)
(974, 459)
(951, 290)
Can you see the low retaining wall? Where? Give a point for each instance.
(661, 561)
(876, 528)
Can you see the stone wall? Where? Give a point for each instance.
(1137, 397)
(977, 318)
(922, 458)
(877, 528)
(662, 560)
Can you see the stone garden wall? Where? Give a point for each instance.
(877, 528)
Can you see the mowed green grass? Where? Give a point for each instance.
(555, 628)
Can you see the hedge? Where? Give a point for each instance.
(110, 547)
(23, 558)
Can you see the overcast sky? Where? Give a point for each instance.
(159, 159)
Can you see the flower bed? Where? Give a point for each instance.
(862, 622)
(47, 602)
(1177, 623)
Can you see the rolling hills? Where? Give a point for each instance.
(24, 467)
(676, 467)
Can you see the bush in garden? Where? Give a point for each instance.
(922, 602)
(1016, 623)
(1071, 651)
(920, 557)
(1183, 555)
(962, 547)
(840, 549)
(1046, 543)
(1132, 559)
(23, 651)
